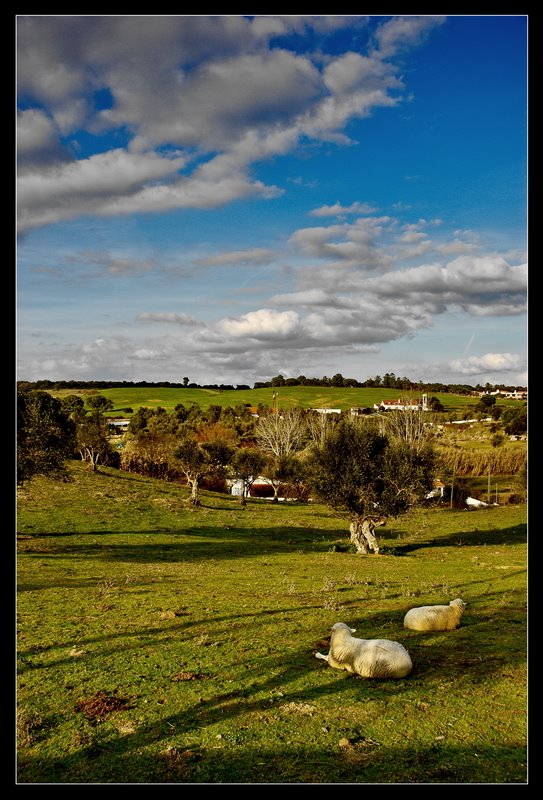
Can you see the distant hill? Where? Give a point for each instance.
(155, 396)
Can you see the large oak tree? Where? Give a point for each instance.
(367, 474)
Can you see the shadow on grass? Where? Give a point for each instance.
(121, 757)
(516, 534)
(484, 645)
(323, 763)
(211, 542)
(189, 544)
(144, 638)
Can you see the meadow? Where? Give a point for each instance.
(161, 643)
(285, 397)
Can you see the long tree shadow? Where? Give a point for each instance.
(480, 643)
(514, 535)
(362, 761)
(190, 544)
(451, 653)
(200, 543)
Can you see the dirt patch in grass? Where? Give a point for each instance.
(189, 676)
(96, 708)
(177, 765)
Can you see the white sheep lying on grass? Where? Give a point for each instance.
(435, 618)
(370, 658)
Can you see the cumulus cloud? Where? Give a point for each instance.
(337, 210)
(352, 70)
(92, 184)
(37, 140)
(215, 90)
(354, 244)
(488, 363)
(456, 247)
(264, 324)
(401, 32)
(479, 285)
(312, 297)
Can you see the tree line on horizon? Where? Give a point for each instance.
(388, 381)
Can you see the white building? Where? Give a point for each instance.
(402, 405)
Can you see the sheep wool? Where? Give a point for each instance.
(435, 618)
(369, 658)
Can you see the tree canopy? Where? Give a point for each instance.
(45, 435)
(359, 470)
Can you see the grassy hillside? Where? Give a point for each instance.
(287, 397)
(159, 643)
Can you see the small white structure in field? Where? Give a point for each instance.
(437, 491)
(435, 618)
(369, 658)
(471, 502)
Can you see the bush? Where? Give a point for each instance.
(261, 490)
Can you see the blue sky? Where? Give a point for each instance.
(229, 198)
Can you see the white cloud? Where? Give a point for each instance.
(456, 247)
(37, 139)
(108, 263)
(402, 32)
(337, 210)
(478, 284)
(170, 318)
(310, 298)
(354, 245)
(411, 235)
(353, 70)
(264, 324)
(95, 183)
(254, 256)
(488, 363)
(211, 87)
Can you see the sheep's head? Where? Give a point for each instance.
(459, 604)
(340, 626)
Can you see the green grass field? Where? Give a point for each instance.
(159, 643)
(287, 397)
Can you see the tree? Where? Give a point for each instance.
(280, 470)
(197, 461)
(99, 403)
(318, 426)
(247, 463)
(364, 472)
(486, 402)
(45, 436)
(150, 453)
(73, 406)
(520, 484)
(434, 404)
(408, 427)
(515, 420)
(281, 434)
(93, 441)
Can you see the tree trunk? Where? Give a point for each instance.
(194, 496)
(362, 533)
(357, 537)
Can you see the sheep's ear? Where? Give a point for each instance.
(353, 630)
